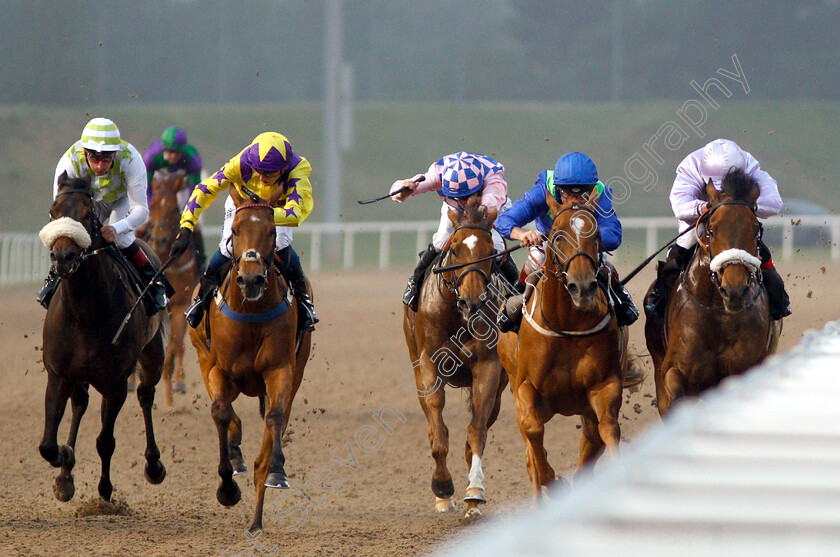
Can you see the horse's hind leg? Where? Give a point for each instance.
(151, 365)
(605, 401)
(484, 404)
(591, 444)
(112, 403)
(55, 403)
(669, 389)
(64, 487)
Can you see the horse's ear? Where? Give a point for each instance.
(276, 195)
(490, 217)
(752, 197)
(234, 194)
(553, 205)
(712, 193)
(62, 180)
(592, 199)
(453, 215)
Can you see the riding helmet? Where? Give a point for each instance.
(174, 139)
(719, 157)
(575, 173)
(101, 134)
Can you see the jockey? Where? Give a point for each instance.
(172, 153)
(573, 179)
(118, 182)
(262, 167)
(689, 201)
(456, 178)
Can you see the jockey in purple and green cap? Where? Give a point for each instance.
(456, 178)
(171, 153)
(263, 167)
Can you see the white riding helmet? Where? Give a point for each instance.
(719, 157)
(101, 134)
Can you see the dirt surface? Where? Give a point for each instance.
(380, 501)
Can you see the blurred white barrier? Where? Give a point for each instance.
(752, 469)
(23, 260)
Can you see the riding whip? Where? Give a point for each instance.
(635, 271)
(399, 191)
(139, 298)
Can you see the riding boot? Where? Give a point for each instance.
(666, 276)
(511, 275)
(510, 314)
(198, 248)
(625, 310)
(49, 288)
(207, 285)
(777, 297)
(411, 297)
(156, 297)
(292, 270)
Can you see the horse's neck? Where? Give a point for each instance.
(698, 281)
(93, 280)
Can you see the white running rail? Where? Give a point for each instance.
(23, 260)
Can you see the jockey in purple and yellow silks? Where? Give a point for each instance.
(265, 165)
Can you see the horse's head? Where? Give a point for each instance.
(730, 237)
(164, 210)
(253, 237)
(74, 225)
(573, 249)
(471, 239)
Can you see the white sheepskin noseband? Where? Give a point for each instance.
(733, 256)
(64, 227)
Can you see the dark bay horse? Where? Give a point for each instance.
(718, 320)
(452, 339)
(568, 356)
(252, 349)
(89, 305)
(161, 230)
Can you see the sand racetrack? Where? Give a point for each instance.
(382, 504)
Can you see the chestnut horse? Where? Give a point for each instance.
(567, 358)
(452, 339)
(251, 349)
(89, 305)
(163, 227)
(718, 321)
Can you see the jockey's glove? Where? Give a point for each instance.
(182, 241)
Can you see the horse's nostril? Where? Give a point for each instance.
(240, 281)
(573, 289)
(259, 281)
(592, 288)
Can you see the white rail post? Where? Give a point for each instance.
(650, 237)
(315, 248)
(349, 235)
(787, 241)
(835, 239)
(384, 248)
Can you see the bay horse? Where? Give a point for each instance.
(567, 358)
(718, 321)
(162, 228)
(249, 344)
(451, 339)
(92, 299)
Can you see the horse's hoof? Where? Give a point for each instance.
(277, 480)
(255, 529)
(238, 465)
(443, 489)
(229, 496)
(105, 490)
(472, 513)
(155, 473)
(64, 488)
(475, 495)
(445, 505)
(179, 387)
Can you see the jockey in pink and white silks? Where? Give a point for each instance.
(118, 183)
(456, 178)
(689, 201)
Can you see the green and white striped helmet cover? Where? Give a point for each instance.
(101, 134)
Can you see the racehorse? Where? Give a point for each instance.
(249, 344)
(451, 339)
(568, 356)
(718, 320)
(91, 301)
(163, 227)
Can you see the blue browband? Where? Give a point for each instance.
(273, 313)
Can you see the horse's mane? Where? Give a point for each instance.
(737, 184)
(82, 182)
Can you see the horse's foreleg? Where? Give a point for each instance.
(432, 405)
(151, 366)
(55, 402)
(178, 330)
(591, 444)
(112, 403)
(605, 401)
(532, 426)
(221, 409)
(234, 445)
(670, 388)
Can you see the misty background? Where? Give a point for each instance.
(395, 84)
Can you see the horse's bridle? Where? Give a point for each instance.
(251, 254)
(453, 284)
(560, 274)
(755, 273)
(89, 251)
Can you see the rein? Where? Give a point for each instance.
(452, 285)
